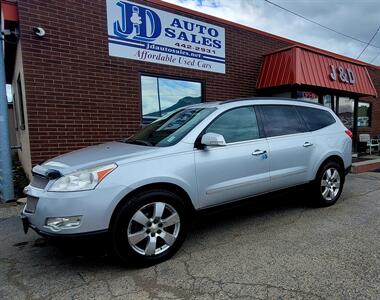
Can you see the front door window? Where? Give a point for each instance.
(236, 125)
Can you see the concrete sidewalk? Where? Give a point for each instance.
(275, 248)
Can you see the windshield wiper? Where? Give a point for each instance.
(137, 142)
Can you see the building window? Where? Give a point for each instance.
(346, 111)
(160, 95)
(9, 93)
(307, 96)
(327, 101)
(364, 114)
(20, 105)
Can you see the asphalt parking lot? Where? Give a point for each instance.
(272, 248)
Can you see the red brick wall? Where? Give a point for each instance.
(375, 126)
(78, 95)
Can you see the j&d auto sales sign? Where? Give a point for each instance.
(143, 33)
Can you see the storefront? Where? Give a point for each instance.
(96, 71)
(308, 74)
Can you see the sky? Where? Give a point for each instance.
(357, 18)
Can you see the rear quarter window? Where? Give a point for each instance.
(316, 118)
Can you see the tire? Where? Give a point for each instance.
(328, 184)
(149, 228)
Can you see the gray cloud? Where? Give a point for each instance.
(359, 19)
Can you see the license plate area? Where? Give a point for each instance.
(31, 204)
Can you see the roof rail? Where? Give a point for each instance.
(268, 98)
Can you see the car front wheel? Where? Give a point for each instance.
(149, 228)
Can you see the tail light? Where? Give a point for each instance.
(349, 133)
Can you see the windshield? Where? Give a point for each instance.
(170, 129)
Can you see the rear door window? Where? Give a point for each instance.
(281, 120)
(316, 118)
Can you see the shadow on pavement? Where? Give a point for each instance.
(265, 205)
(94, 250)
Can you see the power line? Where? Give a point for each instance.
(321, 25)
(373, 59)
(366, 46)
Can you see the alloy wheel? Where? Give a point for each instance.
(330, 184)
(153, 229)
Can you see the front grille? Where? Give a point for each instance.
(39, 181)
(31, 204)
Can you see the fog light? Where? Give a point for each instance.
(63, 222)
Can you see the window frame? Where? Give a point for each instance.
(15, 112)
(300, 119)
(369, 115)
(20, 99)
(198, 144)
(164, 76)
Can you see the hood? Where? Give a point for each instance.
(93, 156)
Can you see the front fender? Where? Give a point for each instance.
(127, 190)
(190, 191)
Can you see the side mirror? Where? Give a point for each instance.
(213, 139)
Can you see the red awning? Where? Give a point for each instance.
(9, 11)
(297, 65)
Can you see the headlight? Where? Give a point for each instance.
(82, 180)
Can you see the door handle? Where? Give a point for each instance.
(259, 152)
(307, 144)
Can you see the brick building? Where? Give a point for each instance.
(99, 70)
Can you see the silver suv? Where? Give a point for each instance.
(142, 191)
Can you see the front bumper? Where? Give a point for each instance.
(93, 234)
(95, 206)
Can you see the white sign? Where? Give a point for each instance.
(345, 75)
(143, 33)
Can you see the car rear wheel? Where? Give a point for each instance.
(328, 184)
(149, 228)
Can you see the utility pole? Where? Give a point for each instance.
(6, 176)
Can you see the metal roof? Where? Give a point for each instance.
(9, 11)
(298, 65)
